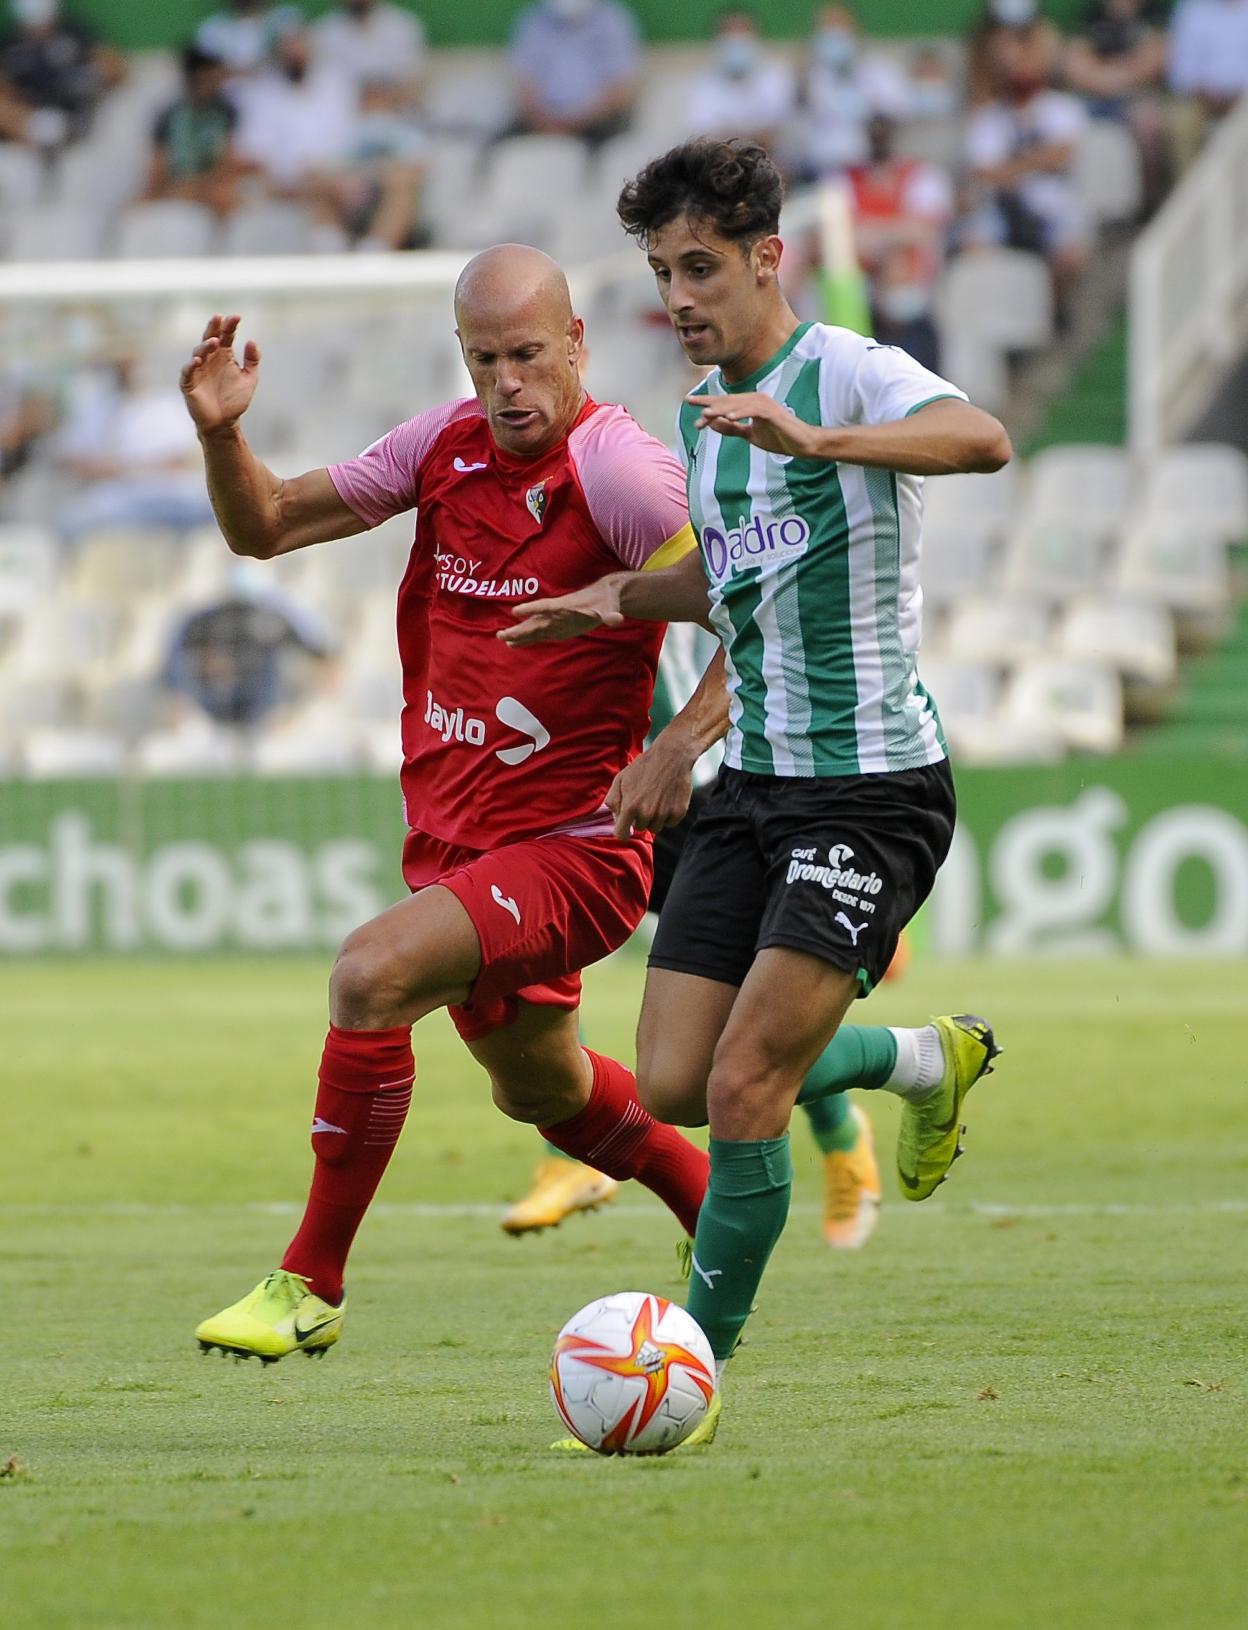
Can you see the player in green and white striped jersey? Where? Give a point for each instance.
(805, 449)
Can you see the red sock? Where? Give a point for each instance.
(365, 1088)
(615, 1135)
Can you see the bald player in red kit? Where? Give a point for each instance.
(515, 764)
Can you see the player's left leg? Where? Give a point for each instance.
(851, 1176)
(586, 1105)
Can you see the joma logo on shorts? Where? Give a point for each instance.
(837, 875)
(753, 543)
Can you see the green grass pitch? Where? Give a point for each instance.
(1023, 1405)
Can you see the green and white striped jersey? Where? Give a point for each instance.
(814, 568)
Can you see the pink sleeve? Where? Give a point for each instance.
(634, 486)
(385, 479)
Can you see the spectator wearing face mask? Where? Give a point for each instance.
(244, 36)
(745, 92)
(53, 72)
(373, 42)
(1208, 65)
(842, 87)
(902, 210)
(933, 93)
(1117, 62)
(296, 118)
(1019, 25)
(1021, 149)
(577, 68)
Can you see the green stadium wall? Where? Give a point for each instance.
(488, 22)
(1088, 857)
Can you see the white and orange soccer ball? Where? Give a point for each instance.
(631, 1374)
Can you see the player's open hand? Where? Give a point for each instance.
(652, 792)
(758, 419)
(217, 387)
(597, 606)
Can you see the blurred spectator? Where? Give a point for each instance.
(53, 72)
(901, 309)
(27, 414)
(1208, 64)
(193, 153)
(745, 92)
(372, 41)
(842, 86)
(902, 211)
(244, 36)
(249, 653)
(1117, 61)
(1015, 23)
(373, 194)
(128, 445)
(1021, 150)
(933, 93)
(577, 68)
(296, 117)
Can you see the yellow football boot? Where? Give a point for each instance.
(280, 1316)
(702, 1434)
(851, 1190)
(929, 1138)
(560, 1187)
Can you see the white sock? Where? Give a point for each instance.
(720, 1365)
(920, 1063)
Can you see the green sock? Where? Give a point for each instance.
(834, 1128)
(555, 1154)
(859, 1055)
(742, 1217)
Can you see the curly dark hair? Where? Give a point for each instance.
(731, 184)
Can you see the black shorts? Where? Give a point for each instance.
(834, 865)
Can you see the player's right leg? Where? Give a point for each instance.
(420, 955)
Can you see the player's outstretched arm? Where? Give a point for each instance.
(259, 514)
(654, 790)
(677, 594)
(945, 437)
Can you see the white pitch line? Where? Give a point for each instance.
(976, 1208)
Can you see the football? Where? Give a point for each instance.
(631, 1374)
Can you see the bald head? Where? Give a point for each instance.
(511, 278)
(522, 345)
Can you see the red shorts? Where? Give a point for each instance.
(543, 908)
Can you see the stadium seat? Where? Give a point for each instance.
(21, 177)
(195, 746)
(114, 562)
(373, 692)
(958, 558)
(939, 141)
(998, 628)
(29, 563)
(1108, 175)
(1088, 484)
(530, 182)
(1182, 568)
(961, 690)
(317, 739)
(1053, 558)
(168, 228)
(1000, 296)
(52, 754)
(45, 701)
(1080, 701)
(469, 94)
(267, 228)
(452, 183)
(1205, 483)
(130, 706)
(55, 232)
(381, 747)
(949, 500)
(1132, 636)
(64, 637)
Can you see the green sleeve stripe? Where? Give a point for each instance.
(945, 396)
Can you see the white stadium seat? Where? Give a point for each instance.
(998, 628)
(55, 232)
(1130, 635)
(948, 499)
(1053, 558)
(1089, 484)
(1108, 175)
(317, 739)
(530, 182)
(167, 228)
(115, 562)
(53, 754)
(21, 177)
(30, 558)
(64, 637)
(469, 93)
(958, 558)
(1002, 296)
(48, 700)
(267, 228)
(1081, 701)
(1187, 571)
(961, 690)
(195, 746)
(1205, 483)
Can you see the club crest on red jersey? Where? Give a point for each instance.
(535, 499)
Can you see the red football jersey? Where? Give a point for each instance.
(498, 743)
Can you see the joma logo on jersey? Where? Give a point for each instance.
(757, 540)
